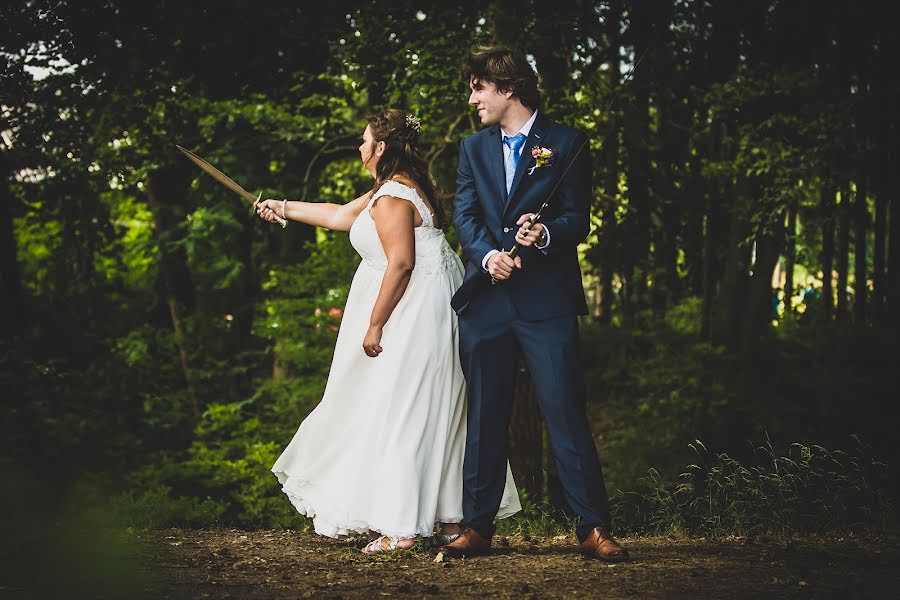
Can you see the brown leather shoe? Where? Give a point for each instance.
(600, 544)
(469, 543)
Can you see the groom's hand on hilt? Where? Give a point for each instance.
(500, 265)
(529, 233)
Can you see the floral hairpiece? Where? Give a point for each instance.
(414, 123)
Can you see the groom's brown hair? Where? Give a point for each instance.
(506, 68)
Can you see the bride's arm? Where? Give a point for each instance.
(338, 217)
(395, 223)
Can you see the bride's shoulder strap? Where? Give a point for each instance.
(396, 189)
(404, 192)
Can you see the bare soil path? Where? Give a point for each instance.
(291, 564)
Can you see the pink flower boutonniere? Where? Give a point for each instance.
(543, 157)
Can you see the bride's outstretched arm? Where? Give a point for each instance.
(395, 223)
(338, 217)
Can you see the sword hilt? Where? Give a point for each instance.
(281, 221)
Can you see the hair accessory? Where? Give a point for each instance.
(414, 123)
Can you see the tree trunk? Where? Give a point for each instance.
(826, 204)
(611, 162)
(892, 283)
(860, 222)
(719, 56)
(636, 134)
(672, 153)
(693, 237)
(790, 258)
(729, 302)
(166, 196)
(759, 287)
(880, 189)
(843, 257)
(12, 319)
(526, 436)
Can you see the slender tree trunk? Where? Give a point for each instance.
(892, 283)
(720, 59)
(729, 305)
(693, 236)
(879, 257)
(826, 204)
(843, 256)
(759, 285)
(880, 189)
(670, 156)
(12, 295)
(637, 132)
(890, 183)
(790, 258)
(166, 190)
(526, 436)
(611, 164)
(504, 20)
(860, 222)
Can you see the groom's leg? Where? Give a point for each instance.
(487, 351)
(551, 351)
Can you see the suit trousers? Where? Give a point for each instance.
(490, 333)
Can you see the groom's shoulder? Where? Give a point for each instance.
(563, 130)
(480, 136)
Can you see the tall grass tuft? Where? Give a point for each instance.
(807, 490)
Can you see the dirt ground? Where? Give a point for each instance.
(292, 564)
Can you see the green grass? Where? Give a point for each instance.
(806, 490)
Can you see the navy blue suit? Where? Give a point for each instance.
(534, 311)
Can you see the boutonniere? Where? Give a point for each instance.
(543, 157)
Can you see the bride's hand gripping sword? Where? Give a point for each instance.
(226, 181)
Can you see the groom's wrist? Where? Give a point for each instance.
(484, 261)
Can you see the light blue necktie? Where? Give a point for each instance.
(512, 161)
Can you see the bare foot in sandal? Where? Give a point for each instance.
(388, 544)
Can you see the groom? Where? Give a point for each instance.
(505, 173)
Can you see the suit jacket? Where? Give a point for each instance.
(549, 283)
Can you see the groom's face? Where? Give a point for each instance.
(490, 103)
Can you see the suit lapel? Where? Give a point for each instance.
(526, 160)
(495, 158)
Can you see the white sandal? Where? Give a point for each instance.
(377, 547)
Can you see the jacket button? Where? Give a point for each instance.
(506, 229)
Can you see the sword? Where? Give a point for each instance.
(226, 181)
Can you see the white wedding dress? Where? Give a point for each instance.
(383, 450)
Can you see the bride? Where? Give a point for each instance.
(383, 450)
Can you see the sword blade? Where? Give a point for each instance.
(219, 176)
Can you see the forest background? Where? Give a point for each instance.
(161, 344)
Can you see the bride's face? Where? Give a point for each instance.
(369, 151)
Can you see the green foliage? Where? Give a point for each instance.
(653, 387)
(168, 344)
(156, 507)
(537, 518)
